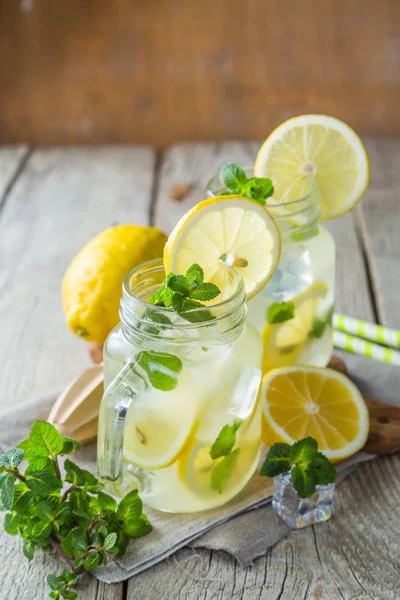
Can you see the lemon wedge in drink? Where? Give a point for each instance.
(321, 147)
(158, 431)
(226, 230)
(284, 342)
(195, 467)
(305, 401)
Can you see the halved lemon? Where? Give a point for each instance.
(284, 342)
(157, 431)
(226, 230)
(305, 401)
(321, 147)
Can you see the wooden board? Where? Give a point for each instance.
(82, 72)
(61, 198)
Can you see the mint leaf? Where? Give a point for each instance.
(317, 329)
(279, 312)
(43, 483)
(7, 482)
(258, 188)
(223, 469)
(179, 283)
(232, 176)
(75, 543)
(277, 460)
(107, 502)
(303, 482)
(32, 450)
(52, 582)
(319, 325)
(41, 529)
(110, 541)
(45, 435)
(225, 441)
(12, 458)
(78, 476)
(130, 507)
(163, 295)
(45, 510)
(93, 561)
(323, 470)
(162, 368)
(137, 527)
(28, 549)
(205, 292)
(11, 523)
(303, 451)
(195, 273)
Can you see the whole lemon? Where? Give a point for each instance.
(91, 288)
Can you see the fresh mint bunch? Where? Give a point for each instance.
(185, 294)
(307, 466)
(235, 179)
(224, 447)
(70, 514)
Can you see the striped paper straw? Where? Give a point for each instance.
(356, 345)
(368, 331)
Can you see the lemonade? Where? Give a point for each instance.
(160, 416)
(302, 284)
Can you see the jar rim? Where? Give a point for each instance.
(133, 304)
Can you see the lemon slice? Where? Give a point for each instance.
(321, 147)
(196, 465)
(158, 430)
(313, 401)
(285, 342)
(226, 230)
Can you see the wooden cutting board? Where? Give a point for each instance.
(384, 420)
(75, 412)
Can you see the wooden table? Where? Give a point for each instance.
(51, 203)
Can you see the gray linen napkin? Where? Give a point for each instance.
(246, 527)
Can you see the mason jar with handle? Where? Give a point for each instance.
(180, 419)
(293, 313)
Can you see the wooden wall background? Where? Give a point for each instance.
(161, 71)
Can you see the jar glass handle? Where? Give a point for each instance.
(125, 388)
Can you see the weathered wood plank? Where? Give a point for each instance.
(61, 199)
(11, 158)
(293, 569)
(379, 214)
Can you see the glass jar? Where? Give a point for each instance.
(293, 313)
(171, 386)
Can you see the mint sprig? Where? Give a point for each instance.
(223, 447)
(235, 179)
(308, 466)
(185, 294)
(70, 514)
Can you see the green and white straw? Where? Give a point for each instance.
(356, 345)
(367, 331)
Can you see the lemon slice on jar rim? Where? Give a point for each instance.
(319, 147)
(226, 230)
